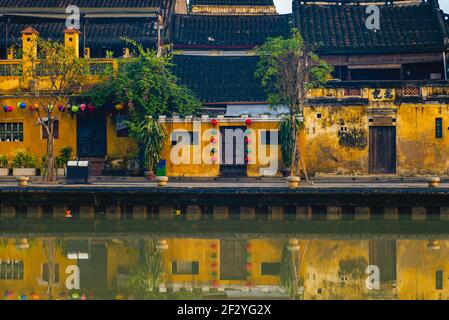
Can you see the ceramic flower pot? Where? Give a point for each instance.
(293, 182)
(162, 181)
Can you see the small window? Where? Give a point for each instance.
(46, 272)
(439, 280)
(122, 130)
(270, 269)
(438, 128)
(11, 270)
(55, 130)
(269, 137)
(188, 138)
(11, 131)
(185, 267)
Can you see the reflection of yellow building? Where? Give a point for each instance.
(327, 269)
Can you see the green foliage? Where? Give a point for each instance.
(289, 68)
(148, 84)
(152, 135)
(65, 155)
(22, 159)
(286, 138)
(146, 276)
(287, 270)
(3, 161)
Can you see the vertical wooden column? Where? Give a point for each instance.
(303, 213)
(8, 212)
(277, 213)
(221, 212)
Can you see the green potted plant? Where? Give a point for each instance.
(65, 155)
(24, 164)
(4, 170)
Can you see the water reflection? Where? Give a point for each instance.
(234, 267)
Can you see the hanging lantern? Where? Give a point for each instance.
(91, 108)
(22, 105)
(248, 150)
(247, 159)
(212, 139)
(214, 131)
(50, 107)
(213, 159)
(83, 107)
(61, 108)
(247, 140)
(213, 150)
(119, 107)
(74, 109)
(5, 108)
(75, 295)
(247, 131)
(248, 122)
(214, 122)
(22, 297)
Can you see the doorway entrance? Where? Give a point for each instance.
(382, 150)
(233, 146)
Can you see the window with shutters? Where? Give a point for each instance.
(55, 130)
(11, 131)
(439, 280)
(438, 128)
(11, 269)
(185, 267)
(46, 272)
(270, 269)
(269, 137)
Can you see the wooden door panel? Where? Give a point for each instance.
(382, 150)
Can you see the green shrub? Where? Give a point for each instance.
(22, 159)
(3, 161)
(65, 155)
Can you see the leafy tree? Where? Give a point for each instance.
(289, 69)
(50, 78)
(148, 87)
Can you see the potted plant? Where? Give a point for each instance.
(24, 164)
(4, 170)
(65, 155)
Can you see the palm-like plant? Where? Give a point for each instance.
(152, 135)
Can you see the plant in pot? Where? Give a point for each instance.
(24, 164)
(65, 155)
(4, 170)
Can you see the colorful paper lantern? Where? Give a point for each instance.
(247, 159)
(50, 107)
(248, 150)
(83, 107)
(213, 159)
(214, 131)
(247, 140)
(22, 105)
(74, 109)
(213, 150)
(61, 108)
(119, 107)
(75, 295)
(248, 122)
(5, 108)
(214, 122)
(212, 139)
(247, 131)
(91, 108)
(22, 297)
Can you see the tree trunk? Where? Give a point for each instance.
(50, 166)
(293, 170)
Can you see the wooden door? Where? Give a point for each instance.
(233, 259)
(382, 253)
(382, 150)
(233, 162)
(91, 134)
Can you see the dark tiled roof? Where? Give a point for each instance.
(341, 28)
(220, 79)
(222, 31)
(98, 32)
(233, 2)
(82, 3)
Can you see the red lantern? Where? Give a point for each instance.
(247, 140)
(248, 122)
(82, 107)
(10, 108)
(214, 122)
(212, 139)
(91, 108)
(214, 246)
